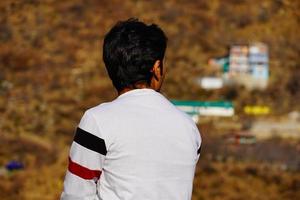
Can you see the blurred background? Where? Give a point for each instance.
(233, 65)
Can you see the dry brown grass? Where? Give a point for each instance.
(51, 71)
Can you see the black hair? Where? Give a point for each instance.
(130, 50)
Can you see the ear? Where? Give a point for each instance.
(157, 70)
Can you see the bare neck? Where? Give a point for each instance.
(137, 86)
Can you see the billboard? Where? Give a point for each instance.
(205, 108)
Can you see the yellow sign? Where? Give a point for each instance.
(257, 110)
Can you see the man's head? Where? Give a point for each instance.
(133, 54)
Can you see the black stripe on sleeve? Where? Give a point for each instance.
(199, 150)
(90, 141)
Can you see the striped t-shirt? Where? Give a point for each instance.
(137, 147)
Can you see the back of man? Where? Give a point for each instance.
(152, 148)
(137, 147)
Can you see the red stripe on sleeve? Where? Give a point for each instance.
(83, 172)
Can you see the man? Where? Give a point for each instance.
(139, 146)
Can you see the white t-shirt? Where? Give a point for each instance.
(137, 147)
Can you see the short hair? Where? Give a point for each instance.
(130, 50)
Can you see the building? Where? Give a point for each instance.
(238, 59)
(205, 108)
(249, 65)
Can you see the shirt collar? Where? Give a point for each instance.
(137, 92)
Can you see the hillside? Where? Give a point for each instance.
(51, 70)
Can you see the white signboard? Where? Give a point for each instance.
(211, 83)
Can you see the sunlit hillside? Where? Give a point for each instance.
(51, 70)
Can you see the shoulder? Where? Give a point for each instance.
(101, 109)
(184, 116)
(101, 115)
(90, 118)
(188, 120)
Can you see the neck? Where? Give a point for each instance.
(137, 86)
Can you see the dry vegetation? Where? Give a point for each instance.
(51, 71)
